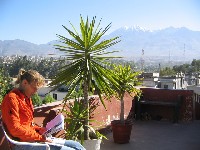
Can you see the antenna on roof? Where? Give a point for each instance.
(184, 52)
(169, 58)
(142, 60)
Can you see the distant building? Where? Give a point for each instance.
(193, 79)
(174, 82)
(58, 94)
(149, 79)
(43, 91)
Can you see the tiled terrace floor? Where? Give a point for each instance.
(159, 135)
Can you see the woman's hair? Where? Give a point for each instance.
(30, 76)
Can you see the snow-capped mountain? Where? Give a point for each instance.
(178, 42)
(135, 41)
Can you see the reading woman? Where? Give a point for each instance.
(17, 112)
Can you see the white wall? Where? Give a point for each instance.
(60, 95)
(43, 91)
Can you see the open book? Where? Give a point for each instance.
(54, 125)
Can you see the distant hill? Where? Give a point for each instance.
(177, 43)
(20, 47)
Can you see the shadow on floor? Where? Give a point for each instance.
(159, 135)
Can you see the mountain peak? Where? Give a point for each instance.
(135, 28)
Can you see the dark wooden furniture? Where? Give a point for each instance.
(175, 104)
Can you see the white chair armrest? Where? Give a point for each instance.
(23, 143)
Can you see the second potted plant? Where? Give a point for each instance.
(127, 79)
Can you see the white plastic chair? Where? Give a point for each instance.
(17, 143)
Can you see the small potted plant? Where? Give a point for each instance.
(127, 79)
(75, 116)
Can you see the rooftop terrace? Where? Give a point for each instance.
(159, 135)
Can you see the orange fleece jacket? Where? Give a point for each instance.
(17, 115)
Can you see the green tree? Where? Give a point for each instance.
(167, 71)
(195, 65)
(5, 83)
(182, 68)
(36, 100)
(21, 62)
(87, 53)
(48, 99)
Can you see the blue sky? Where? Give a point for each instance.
(38, 21)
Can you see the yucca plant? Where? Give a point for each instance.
(127, 79)
(88, 69)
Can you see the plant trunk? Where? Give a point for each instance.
(122, 108)
(86, 105)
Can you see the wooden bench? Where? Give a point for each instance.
(175, 104)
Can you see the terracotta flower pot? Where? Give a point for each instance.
(121, 132)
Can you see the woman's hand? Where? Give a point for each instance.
(42, 130)
(46, 139)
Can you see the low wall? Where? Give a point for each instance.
(102, 115)
(112, 111)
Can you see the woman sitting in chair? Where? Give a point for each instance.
(17, 112)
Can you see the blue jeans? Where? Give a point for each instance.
(68, 145)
